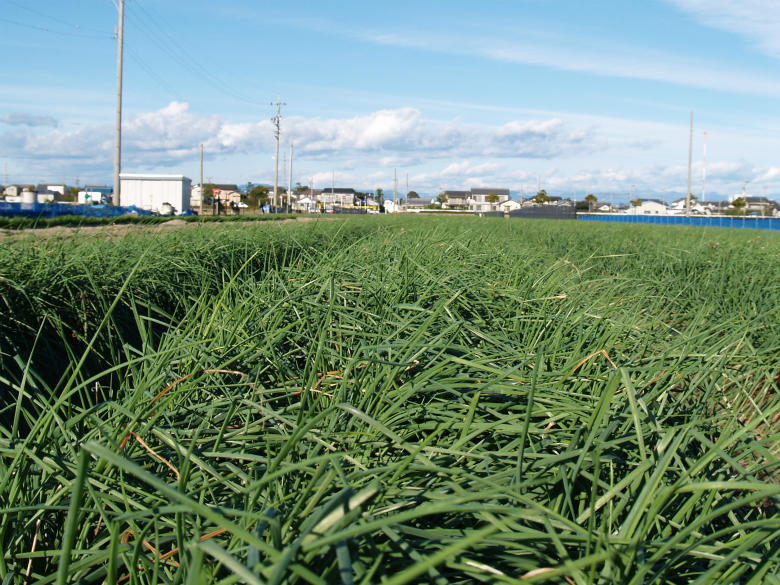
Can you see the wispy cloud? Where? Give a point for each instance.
(24, 119)
(612, 61)
(756, 20)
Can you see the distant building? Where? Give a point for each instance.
(760, 205)
(457, 199)
(479, 198)
(150, 192)
(649, 207)
(509, 205)
(94, 194)
(225, 193)
(338, 197)
(417, 203)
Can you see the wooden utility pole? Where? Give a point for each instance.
(202, 190)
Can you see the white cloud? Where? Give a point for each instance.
(386, 137)
(364, 150)
(756, 20)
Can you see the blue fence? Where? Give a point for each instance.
(9, 209)
(726, 221)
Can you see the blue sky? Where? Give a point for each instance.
(577, 96)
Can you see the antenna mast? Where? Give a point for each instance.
(118, 132)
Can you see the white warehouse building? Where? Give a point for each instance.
(151, 192)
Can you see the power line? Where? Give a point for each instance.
(54, 18)
(151, 73)
(159, 35)
(54, 32)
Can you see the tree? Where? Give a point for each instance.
(492, 198)
(541, 197)
(412, 195)
(257, 196)
(71, 194)
(379, 196)
(739, 204)
(591, 199)
(208, 190)
(636, 202)
(442, 198)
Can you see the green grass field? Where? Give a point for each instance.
(391, 400)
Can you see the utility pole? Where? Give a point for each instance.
(118, 130)
(289, 185)
(277, 120)
(407, 184)
(395, 187)
(202, 190)
(690, 159)
(704, 170)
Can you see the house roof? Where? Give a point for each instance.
(419, 201)
(227, 187)
(458, 193)
(488, 191)
(338, 191)
(153, 177)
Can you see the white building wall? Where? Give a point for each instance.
(151, 191)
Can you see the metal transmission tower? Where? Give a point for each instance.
(118, 132)
(277, 121)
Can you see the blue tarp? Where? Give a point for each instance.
(728, 221)
(9, 209)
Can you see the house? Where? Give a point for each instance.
(56, 190)
(649, 207)
(479, 198)
(12, 190)
(226, 194)
(715, 206)
(760, 205)
(456, 199)
(305, 205)
(338, 197)
(418, 203)
(509, 205)
(681, 206)
(151, 192)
